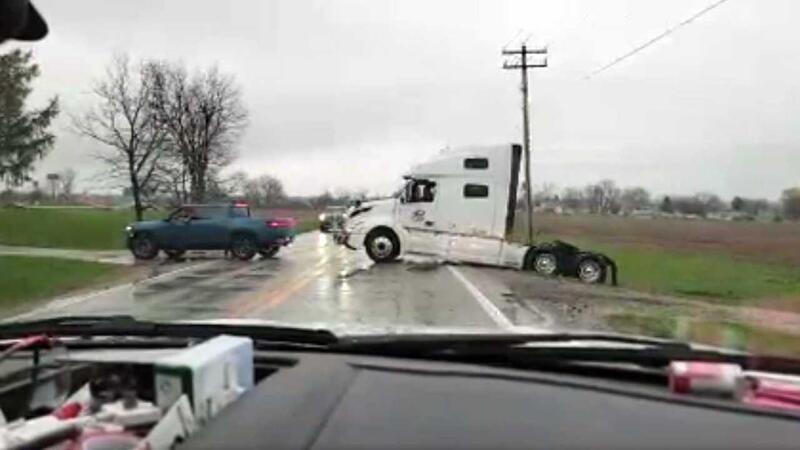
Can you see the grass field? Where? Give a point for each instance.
(25, 278)
(90, 229)
(724, 261)
(64, 228)
(734, 335)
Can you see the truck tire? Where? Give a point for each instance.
(243, 247)
(143, 247)
(545, 263)
(269, 252)
(591, 271)
(382, 245)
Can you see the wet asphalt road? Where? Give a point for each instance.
(314, 282)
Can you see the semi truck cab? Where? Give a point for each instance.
(460, 207)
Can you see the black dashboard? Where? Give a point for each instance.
(328, 401)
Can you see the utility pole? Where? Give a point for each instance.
(524, 65)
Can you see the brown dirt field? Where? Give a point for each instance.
(757, 241)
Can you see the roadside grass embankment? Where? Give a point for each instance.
(87, 229)
(25, 279)
(732, 263)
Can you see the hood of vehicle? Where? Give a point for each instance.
(381, 206)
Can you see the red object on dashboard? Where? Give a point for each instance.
(700, 377)
(68, 411)
(773, 394)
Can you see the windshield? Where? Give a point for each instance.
(618, 166)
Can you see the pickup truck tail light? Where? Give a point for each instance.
(286, 222)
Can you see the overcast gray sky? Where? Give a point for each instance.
(350, 93)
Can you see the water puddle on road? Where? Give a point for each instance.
(727, 334)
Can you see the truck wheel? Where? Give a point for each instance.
(591, 271)
(545, 263)
(143, 247)
(270, 251)
(175, 254)
(382, 245)
(243, 247)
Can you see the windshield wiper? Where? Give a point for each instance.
(128, 326)
(537, 349)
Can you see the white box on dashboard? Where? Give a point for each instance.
(211, 374)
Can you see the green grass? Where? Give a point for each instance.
(696, 274)
(26, 278)
(715, 276)
(728, 334)
(649, 325)
(65, 228)
(307, 224)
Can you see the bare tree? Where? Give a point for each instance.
(171, 177)
(265, 190)
(634, 198)
(236, 182)
(603, 197)
(67, 179)
(546, 193)
(572, 198)
(204, 116)
(790, 198)
(710, 201)
(124, 122)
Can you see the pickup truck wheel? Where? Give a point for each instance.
(270, 251)
(382, 245)
(143, 247)
(244, 247)
(591, 271)
(545, 263)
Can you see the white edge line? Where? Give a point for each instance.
(62, 303)
(493, 311)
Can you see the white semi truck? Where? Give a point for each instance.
(460, 206)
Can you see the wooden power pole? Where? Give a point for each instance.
(524, 65)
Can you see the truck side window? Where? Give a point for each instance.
(422, 191)
(208, 212)
(476, 191)
(476, 163)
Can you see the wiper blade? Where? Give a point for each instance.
(123, 325)
(537, 348)
(436, 342)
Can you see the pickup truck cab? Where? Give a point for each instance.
(227, 227)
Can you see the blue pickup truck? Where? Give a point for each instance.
(210, 227)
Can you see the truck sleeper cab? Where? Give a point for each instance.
(460, 206)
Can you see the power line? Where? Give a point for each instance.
(657, 38)
(512, 39)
